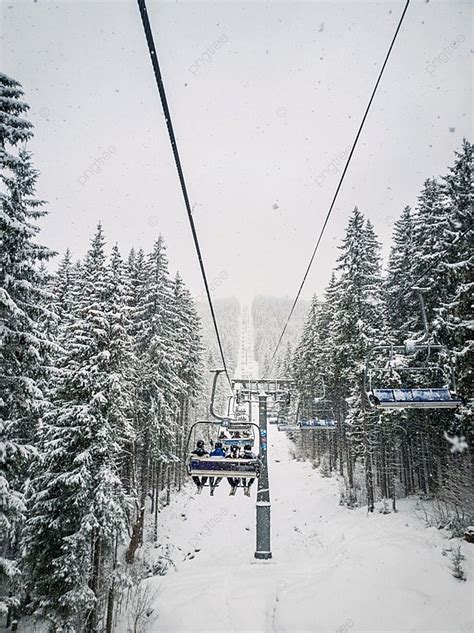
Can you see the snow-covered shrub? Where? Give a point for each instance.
(141, 613)
(456, 563)
(447, 515)
(324, 467)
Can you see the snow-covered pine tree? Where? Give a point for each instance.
(286, 365)
(122, 365)
(402, 316)
(455, 315)
(357, 326)
(78, 506)
(158, 383)
(23, 341)
(185, 328)
(454, 323)
(305, 365)
(63, 286)
(430, 238)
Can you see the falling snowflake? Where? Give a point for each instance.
(458, 444)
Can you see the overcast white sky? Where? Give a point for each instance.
(257, 121)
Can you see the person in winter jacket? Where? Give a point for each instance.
(217, 452)
(200, 451)
(247, 454)
(233, 481)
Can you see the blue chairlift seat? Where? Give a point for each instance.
(419, 398)
(222, 467)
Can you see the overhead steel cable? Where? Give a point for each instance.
(174, 146)
(354, 144)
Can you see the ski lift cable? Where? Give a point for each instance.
(354, 144)
(169, 124)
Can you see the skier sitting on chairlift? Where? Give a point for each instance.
(247, 454)
(233, 481)
(217, 452)
(200, 451)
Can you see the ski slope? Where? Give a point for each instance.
(334, 570)
(247, 366)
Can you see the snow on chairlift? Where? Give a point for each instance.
(318, 423)
(289, 427)
(409, 396)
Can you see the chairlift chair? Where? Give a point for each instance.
(317, 413)
(207, 466)
(409, 396)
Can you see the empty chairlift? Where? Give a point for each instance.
(410, 378)
(423, 384)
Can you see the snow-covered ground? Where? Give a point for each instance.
(334, 570)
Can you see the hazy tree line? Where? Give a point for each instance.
(227, 312)
(269, 315)
(384, 455)
(101, 366)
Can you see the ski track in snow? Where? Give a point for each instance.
(334, 570)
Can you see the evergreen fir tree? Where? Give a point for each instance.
(78, 507)
(430, 237)
(24, 345)
(404, 309)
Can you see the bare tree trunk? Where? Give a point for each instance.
(137, 530)
(369, 482)
(109, 623)
(94, 584)
(157, 502)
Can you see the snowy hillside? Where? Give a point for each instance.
(333, 569)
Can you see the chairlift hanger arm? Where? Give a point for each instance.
(215, 415)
